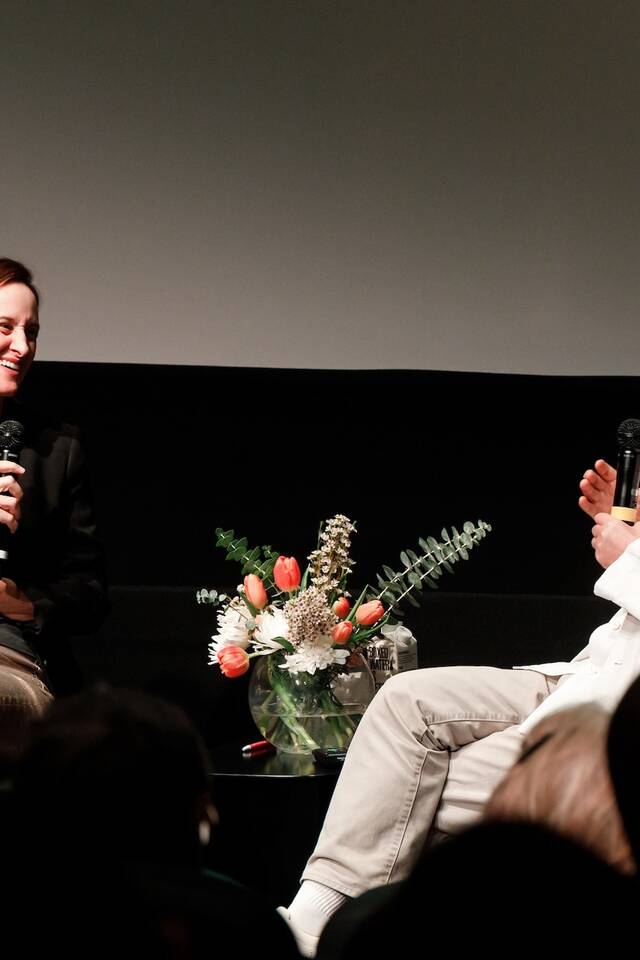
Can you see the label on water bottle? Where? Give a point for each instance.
(394, 652)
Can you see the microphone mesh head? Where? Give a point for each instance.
(629, 435)
(11, 435)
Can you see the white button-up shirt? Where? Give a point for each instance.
(602, 672)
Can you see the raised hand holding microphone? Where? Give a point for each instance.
(11, 440)
(610, 496)
(597, 488)
(611, 537)
(13, 602)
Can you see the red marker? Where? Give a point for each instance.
(260, 746)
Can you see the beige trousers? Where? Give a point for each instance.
(426, 757)
(23, 697)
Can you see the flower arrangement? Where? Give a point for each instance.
(306, 624)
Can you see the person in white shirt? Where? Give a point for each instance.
(435, 743)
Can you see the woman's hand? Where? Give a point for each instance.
(13, 602)
(597, 487)
(10, 494)
(611, 538)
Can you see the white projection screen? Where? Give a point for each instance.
(447, 184)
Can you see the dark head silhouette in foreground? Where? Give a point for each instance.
(104, 834)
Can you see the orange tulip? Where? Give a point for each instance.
(342, 631)
(234, 661)
(255, 592)
(341, 607)
(286, 573)
(369, 613)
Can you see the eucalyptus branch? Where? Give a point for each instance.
(438, 556)
(257, 560)
(411, 587)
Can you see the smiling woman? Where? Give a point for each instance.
(52, 579)
(19, 325)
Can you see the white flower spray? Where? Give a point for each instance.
(331, 563)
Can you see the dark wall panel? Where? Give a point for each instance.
(178, 451)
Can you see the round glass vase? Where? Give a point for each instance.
(301, 712)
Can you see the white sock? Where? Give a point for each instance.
(313, 905)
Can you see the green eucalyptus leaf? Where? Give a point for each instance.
(288, 646)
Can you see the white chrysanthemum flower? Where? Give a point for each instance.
(234, 623)
(213, 648)
(270, 624)
(315, 656)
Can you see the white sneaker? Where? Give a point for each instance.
(306, 942)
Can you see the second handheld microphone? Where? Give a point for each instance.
(11, 440)
(628, 471)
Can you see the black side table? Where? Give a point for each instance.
(271, 806)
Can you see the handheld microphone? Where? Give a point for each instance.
(11, 440)
(628, 471)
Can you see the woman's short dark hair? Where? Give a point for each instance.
(12, 271)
